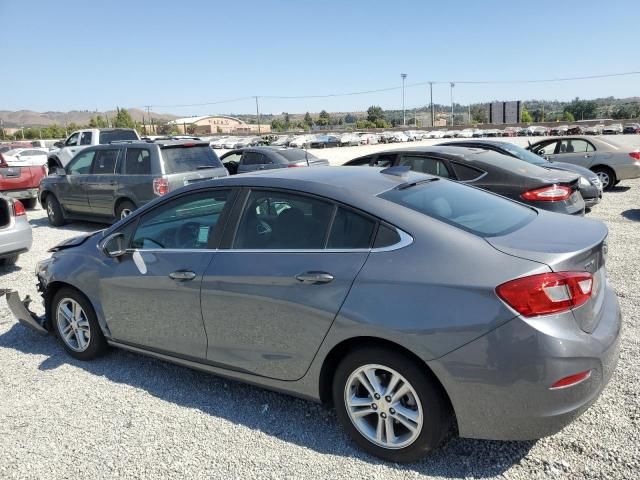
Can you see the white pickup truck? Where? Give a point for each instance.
(81, 139)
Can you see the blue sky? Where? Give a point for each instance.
(88, 55)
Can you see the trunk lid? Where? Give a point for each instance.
(564, 243)
(14, 178)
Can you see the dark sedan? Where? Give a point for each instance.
(590, 186)
(325, 141)
(267, 158)
(408, 301)
(539, 187)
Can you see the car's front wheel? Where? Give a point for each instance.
(124, 209)
(75, 322)
(389, 406)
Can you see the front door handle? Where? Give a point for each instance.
(182, 275)
(314, 277)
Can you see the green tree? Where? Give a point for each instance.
(278, 125)
(287, 120)
(568, 116)
(308, 120)
(324, 119)
(582, 109)
(478, 113)
(97, 122)
(525, 116)
(350, 118)
(375, 113)
(365, 124)
(123, 119)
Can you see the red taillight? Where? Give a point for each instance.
(292, 165)
(553, 193)
(635, 155)
(3, 162)
(160, 186)
(571, 380)
(18, 209)
(547, 293)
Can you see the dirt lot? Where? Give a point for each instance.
(130, 416)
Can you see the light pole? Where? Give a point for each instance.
(404, 117)
(432, 115)
(452, 85)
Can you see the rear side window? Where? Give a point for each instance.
(109, 136)
(293, 156)
(180, 159)
(432, 166)
(104, 162)
(358, 162)
(466, 173)
(85, 138)
(350, 230)
(465, 207)
(386, 236)
(138, 162)
(253, 158)
(385, 160)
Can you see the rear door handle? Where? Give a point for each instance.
(314, 277)
(182, 275)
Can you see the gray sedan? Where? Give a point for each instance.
(407, 301)
(610, 161)
(15, 230)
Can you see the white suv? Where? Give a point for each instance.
(82, 139)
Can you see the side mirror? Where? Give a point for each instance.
(59, 144)
(61, 172)
(114, 245)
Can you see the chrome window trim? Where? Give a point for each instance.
(405, 240)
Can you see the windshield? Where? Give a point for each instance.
(465, 207)
(180, 159)
(525, 155)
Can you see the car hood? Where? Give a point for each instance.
(74, 241)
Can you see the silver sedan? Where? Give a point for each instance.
(612, 162)
(15, 231)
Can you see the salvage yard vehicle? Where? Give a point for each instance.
(19, 178)
(266, 158)
(589, 186)
(553, 190)
(15, 230)
(82, 139)
(108, 182)
(406, 300)
(610, 161)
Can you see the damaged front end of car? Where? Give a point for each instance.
(20, 309)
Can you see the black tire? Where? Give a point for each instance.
(437, 414)
(30, 203)
(9, 261)
(97, 345)
(54, 211)
(605, 173)
(122, 209)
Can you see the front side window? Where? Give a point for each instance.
(85, 138)
(72, 141)
(81, 164)
(385, 160)
(575, 146)
(546, 148)
(279, 220)
(137, 162)
(186, 222)
(358, 162)
(105, 162)
(432, 166)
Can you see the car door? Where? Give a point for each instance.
(102, 184)
(577, 151)
(70, 148)
(72, 189)
(151, 295)
(269, 300)
(425, 164)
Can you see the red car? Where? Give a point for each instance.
(21, 182)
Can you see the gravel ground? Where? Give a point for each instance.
(130, 416)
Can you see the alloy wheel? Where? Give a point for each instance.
(125, 213)
(73, 325)
(604, 178)
(383, 406)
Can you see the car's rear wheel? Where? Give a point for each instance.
(607, 177)
(388, 405)
(76, 324)
(54, 211)
(30, 203)
(124, 209)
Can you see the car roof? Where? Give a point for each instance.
(602, 143)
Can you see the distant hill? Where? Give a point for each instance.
(28, 118)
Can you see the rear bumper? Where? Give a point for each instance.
(15, 238)
(22, 194)
(499, 383)
(627, 172)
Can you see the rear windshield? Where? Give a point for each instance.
(296, 155)
(114, 135)
(465, 207)
(180, 159)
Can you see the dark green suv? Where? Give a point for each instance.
(105, 183)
